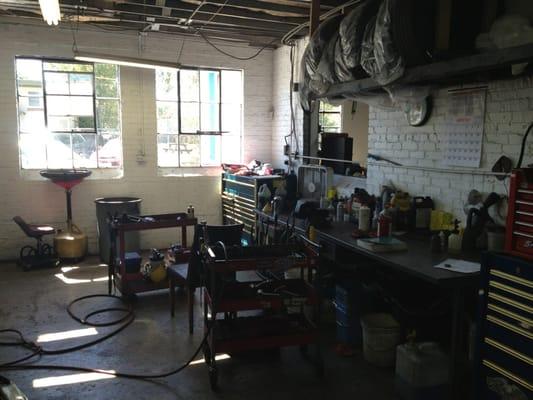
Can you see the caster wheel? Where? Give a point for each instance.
(213, 378)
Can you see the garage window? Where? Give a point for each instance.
(199, 117)
(68, 114)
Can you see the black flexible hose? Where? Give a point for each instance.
(523, 147)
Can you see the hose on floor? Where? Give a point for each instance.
(124, 321)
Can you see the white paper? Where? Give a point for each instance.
(462, 136)
(465, 267)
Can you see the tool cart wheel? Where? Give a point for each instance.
(213, 377)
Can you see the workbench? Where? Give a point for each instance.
(131, 283)
(417, 262)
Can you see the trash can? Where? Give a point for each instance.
(118, 206)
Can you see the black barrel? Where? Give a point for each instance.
(115, 206)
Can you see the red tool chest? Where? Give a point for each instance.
(519, 236)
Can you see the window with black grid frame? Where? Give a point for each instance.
(199, 117)
(68, 114)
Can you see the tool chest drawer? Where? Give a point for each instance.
(505, 320)
(519, 237)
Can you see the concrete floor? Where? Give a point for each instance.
(34, 302)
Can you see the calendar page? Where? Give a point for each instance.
(462, 139)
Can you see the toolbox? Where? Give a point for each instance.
(519, 235)
(505, 340)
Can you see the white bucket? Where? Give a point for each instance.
(381, 335)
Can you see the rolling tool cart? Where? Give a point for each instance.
(282, 320)
(505, 338)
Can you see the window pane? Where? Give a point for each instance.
(69, 105)
(81, 84)
(210, 121)
(232, 87)
(59, 151)
(189, 150)
(30, 120)
(32, 151)
(231, 118)
(330, 122)
(189, 85)
(66, 66)
(56, 83)
(109, 151)
(167, 117)
(108, 115)
(210, 150)
(166, 84)
(231, 149)
(329, 107)
(168, 150)
(106, 71)
(84, 147)
(29, 72)
(209, 85)
(190, 118)
(106, 88)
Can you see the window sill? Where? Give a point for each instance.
(97, 174)
(187, 172)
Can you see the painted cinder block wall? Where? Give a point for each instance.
(509, 110)
(41, 201)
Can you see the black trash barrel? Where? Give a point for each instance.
(115, 206)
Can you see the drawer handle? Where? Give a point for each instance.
(509, 289)
(525, 213)
(512, 278)
(524, 224)
(525, 191)
(526, 203)
(511, 302)
(510, 314)
(508, 350)
(238, 182)
(509, 326)
(507, 374)
(522, 234)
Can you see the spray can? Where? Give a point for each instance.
(384, 224)
(190, 211)
(340, 211)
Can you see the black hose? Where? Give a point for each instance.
(523, 147)
(125, 321)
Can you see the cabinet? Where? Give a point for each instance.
(505, 340)
(240, 199)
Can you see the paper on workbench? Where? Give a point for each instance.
(465, 267)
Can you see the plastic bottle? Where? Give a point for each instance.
(364, 219)
(455, 239)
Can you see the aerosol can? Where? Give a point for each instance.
(190, 211)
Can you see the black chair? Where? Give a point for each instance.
(189, 275)
(40, 254)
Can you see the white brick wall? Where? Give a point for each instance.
(40, 201)
(509, 110)
(281, 120)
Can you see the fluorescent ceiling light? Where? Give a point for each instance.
(125, 61)
(50, 11)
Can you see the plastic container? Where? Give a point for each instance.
(421, 371)
(347, 315)
(106, 206)
(132, 262)
(381, 335)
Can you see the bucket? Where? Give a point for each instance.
(381, 335)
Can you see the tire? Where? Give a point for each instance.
(27, 251)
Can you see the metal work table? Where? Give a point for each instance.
(417, 261)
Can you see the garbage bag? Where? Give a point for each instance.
(379, 57)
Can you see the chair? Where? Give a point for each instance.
(42, 253)
(188, 275)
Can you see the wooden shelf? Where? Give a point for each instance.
(440, 71)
